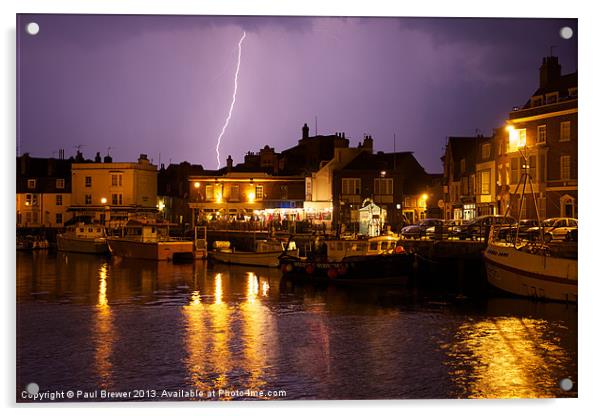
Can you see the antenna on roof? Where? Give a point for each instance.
(79, 146)
(316, 124)
(109, 151)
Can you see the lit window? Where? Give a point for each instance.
(60, 184)
(351, 186)
(209, 192)
(565, 131)
(485, 151)
(31, 183)
(517, 139)
(88, 181)
(383, 186)
(259, 192)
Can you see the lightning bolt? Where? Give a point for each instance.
(219, 138)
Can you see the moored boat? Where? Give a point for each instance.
(530, 270)
(267, 253)
(149, 239)
(83, 238)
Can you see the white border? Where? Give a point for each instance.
(590, 68)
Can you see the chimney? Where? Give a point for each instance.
(368, 143)
(108, 159)
(229, 163)
(97, 158)
(305, 131)
(143, 159)
(549, 71)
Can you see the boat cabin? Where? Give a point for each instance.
(82, 230)
(145, 231)
(266, 246)
(337, 249)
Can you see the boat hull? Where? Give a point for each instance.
(82, 245)
(161, 250)
(386, 268)
(531, 275)
(248, 258)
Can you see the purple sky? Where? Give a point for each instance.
(162, 85)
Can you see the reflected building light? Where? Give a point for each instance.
(195, 298)
(252, 287)
(102, 286)
(265, 287)
(218, 289)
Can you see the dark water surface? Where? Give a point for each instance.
(90, 323)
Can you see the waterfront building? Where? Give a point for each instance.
(43, 191)
(460, 174)
(110, 192)
(545, 131)
(395, 182)
(485, 191)
(241, 196)
(173, 191)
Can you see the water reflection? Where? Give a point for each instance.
(136, 324)
(507, 357)
(104, 331)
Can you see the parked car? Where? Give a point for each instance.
(553, 229)
(524, 225)
(478, 227)
(422, 228)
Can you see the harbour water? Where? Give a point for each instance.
(88, 323)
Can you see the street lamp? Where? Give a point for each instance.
(103, 200)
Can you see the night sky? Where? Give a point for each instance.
(162, 85)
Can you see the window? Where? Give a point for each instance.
(88, 181)
(462, 165)
(115, 199)
(565, 131)
(517, 138)
(88, 199)
(259, 192)
(59, 200)
(552, 98)
(351, 186)
(536, 101)
(209, 192)
(383, 186)
(484, 182)
(485, 151)
(234, 192)
(31, 184)
(541, 134)
(565, 167)
(284, 192)
(514, 170)
(60, 184)
(116, 179)
(59, 218)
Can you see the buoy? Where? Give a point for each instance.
(399, 249)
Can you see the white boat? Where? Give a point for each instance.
(267, 253)
(83, 238)
(149, 239)
(530, 270)
(341, 248)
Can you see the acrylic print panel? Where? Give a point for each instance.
(292, 208)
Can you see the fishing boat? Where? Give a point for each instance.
(30, 242)
(375, 260)
(340, 248)
(267, 253)
(149, 239)
(531, 268)
(83, 238)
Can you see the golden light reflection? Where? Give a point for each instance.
(196, 341)
(255, 322)
(105, 333)
(218, 289)
(506, 358)
(265, 288)
(252, 287)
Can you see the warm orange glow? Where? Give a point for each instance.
(218, 289)
(517, 138)
(425, 197)
(265, 288)
(105, 334)
(103, 200)
(251, 196)
(252, 287)
(506, 357)
(197, 185)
